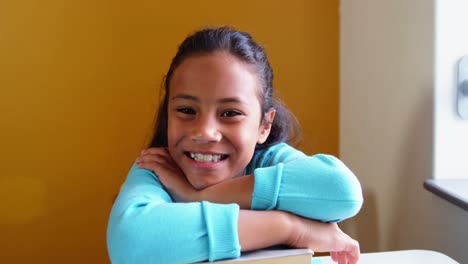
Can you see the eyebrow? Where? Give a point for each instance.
(185, 96)
(221, 101)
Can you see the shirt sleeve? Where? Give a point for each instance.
(146, 226)
(318, 187)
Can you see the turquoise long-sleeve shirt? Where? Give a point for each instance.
(147, 226)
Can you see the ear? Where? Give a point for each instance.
(265, 126)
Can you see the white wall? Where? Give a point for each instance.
(386, 127)
(451, 132)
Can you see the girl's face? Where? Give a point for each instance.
(214, 118)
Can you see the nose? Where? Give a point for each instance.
(206, 130)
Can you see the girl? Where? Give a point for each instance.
(219, 177)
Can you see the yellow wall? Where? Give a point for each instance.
(78, 89)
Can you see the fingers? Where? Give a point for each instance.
(154, 155)
(342, 257)
(348, 256)
(148, 158)
(334, 256)
(152, 162)
(354, 252)
(345, 250)
(155, 151)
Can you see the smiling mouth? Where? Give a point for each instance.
(200, 157)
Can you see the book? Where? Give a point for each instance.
(273, 256)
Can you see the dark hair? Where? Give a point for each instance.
(285, 127)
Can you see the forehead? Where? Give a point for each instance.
(217, 74)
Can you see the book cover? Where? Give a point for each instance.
(273, 256)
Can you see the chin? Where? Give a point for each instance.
(199, 185)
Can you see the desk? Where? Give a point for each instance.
(398, 257)
(452, 190)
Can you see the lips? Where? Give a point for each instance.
(206, 157)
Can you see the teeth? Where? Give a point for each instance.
(205, 157)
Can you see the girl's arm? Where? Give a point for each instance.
(146, 226)
(238, 190)
(318, 187)
(260, 229)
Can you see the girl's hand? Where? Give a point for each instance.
(161, 163)
(323, 237)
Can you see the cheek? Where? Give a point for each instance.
(246, 137)
(172, 132)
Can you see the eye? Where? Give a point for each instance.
(230, 113)
(186, 110)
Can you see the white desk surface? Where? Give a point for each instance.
(399, 257)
